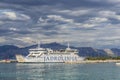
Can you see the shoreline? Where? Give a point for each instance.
(84, 61)
(96, 61)
(8, 61)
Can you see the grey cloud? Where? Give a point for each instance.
(63, 19)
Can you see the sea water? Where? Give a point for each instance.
(59, 71)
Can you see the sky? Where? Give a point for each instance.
(82, 23)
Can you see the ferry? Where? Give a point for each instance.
(49, 55)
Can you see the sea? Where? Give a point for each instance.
(59, 71)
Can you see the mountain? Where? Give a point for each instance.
(116, 51)
(9, 51)
(53, 45)
(91, 52)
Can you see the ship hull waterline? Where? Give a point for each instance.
(49, 59)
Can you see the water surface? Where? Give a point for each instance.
(59, 71)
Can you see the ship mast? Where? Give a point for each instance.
(38, 44)
(68, 46)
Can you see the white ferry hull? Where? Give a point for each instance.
(51, 58)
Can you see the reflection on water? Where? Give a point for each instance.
(30, 71)
(41, 71)
(59, 71)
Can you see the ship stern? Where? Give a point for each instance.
(20, 58)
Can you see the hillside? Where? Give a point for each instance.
(9, 51)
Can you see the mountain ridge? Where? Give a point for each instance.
(9, 51)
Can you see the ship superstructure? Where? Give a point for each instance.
(49, 55)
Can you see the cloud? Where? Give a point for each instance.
(12, 15)
(26, 39)
(85, 23)
(76, 12)
(60, 18)
(94, 22)
(109, 14)
(13, 29)
(110, 1)
(54, 19)
(97, 20)
(2, 39)
(113, 1)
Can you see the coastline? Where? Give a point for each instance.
(8, 61)
(85, 61)
(96, 61)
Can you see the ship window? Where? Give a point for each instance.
(62, 50)
(45, 53)
(32, 56)
(70, 51)
(36, 53)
